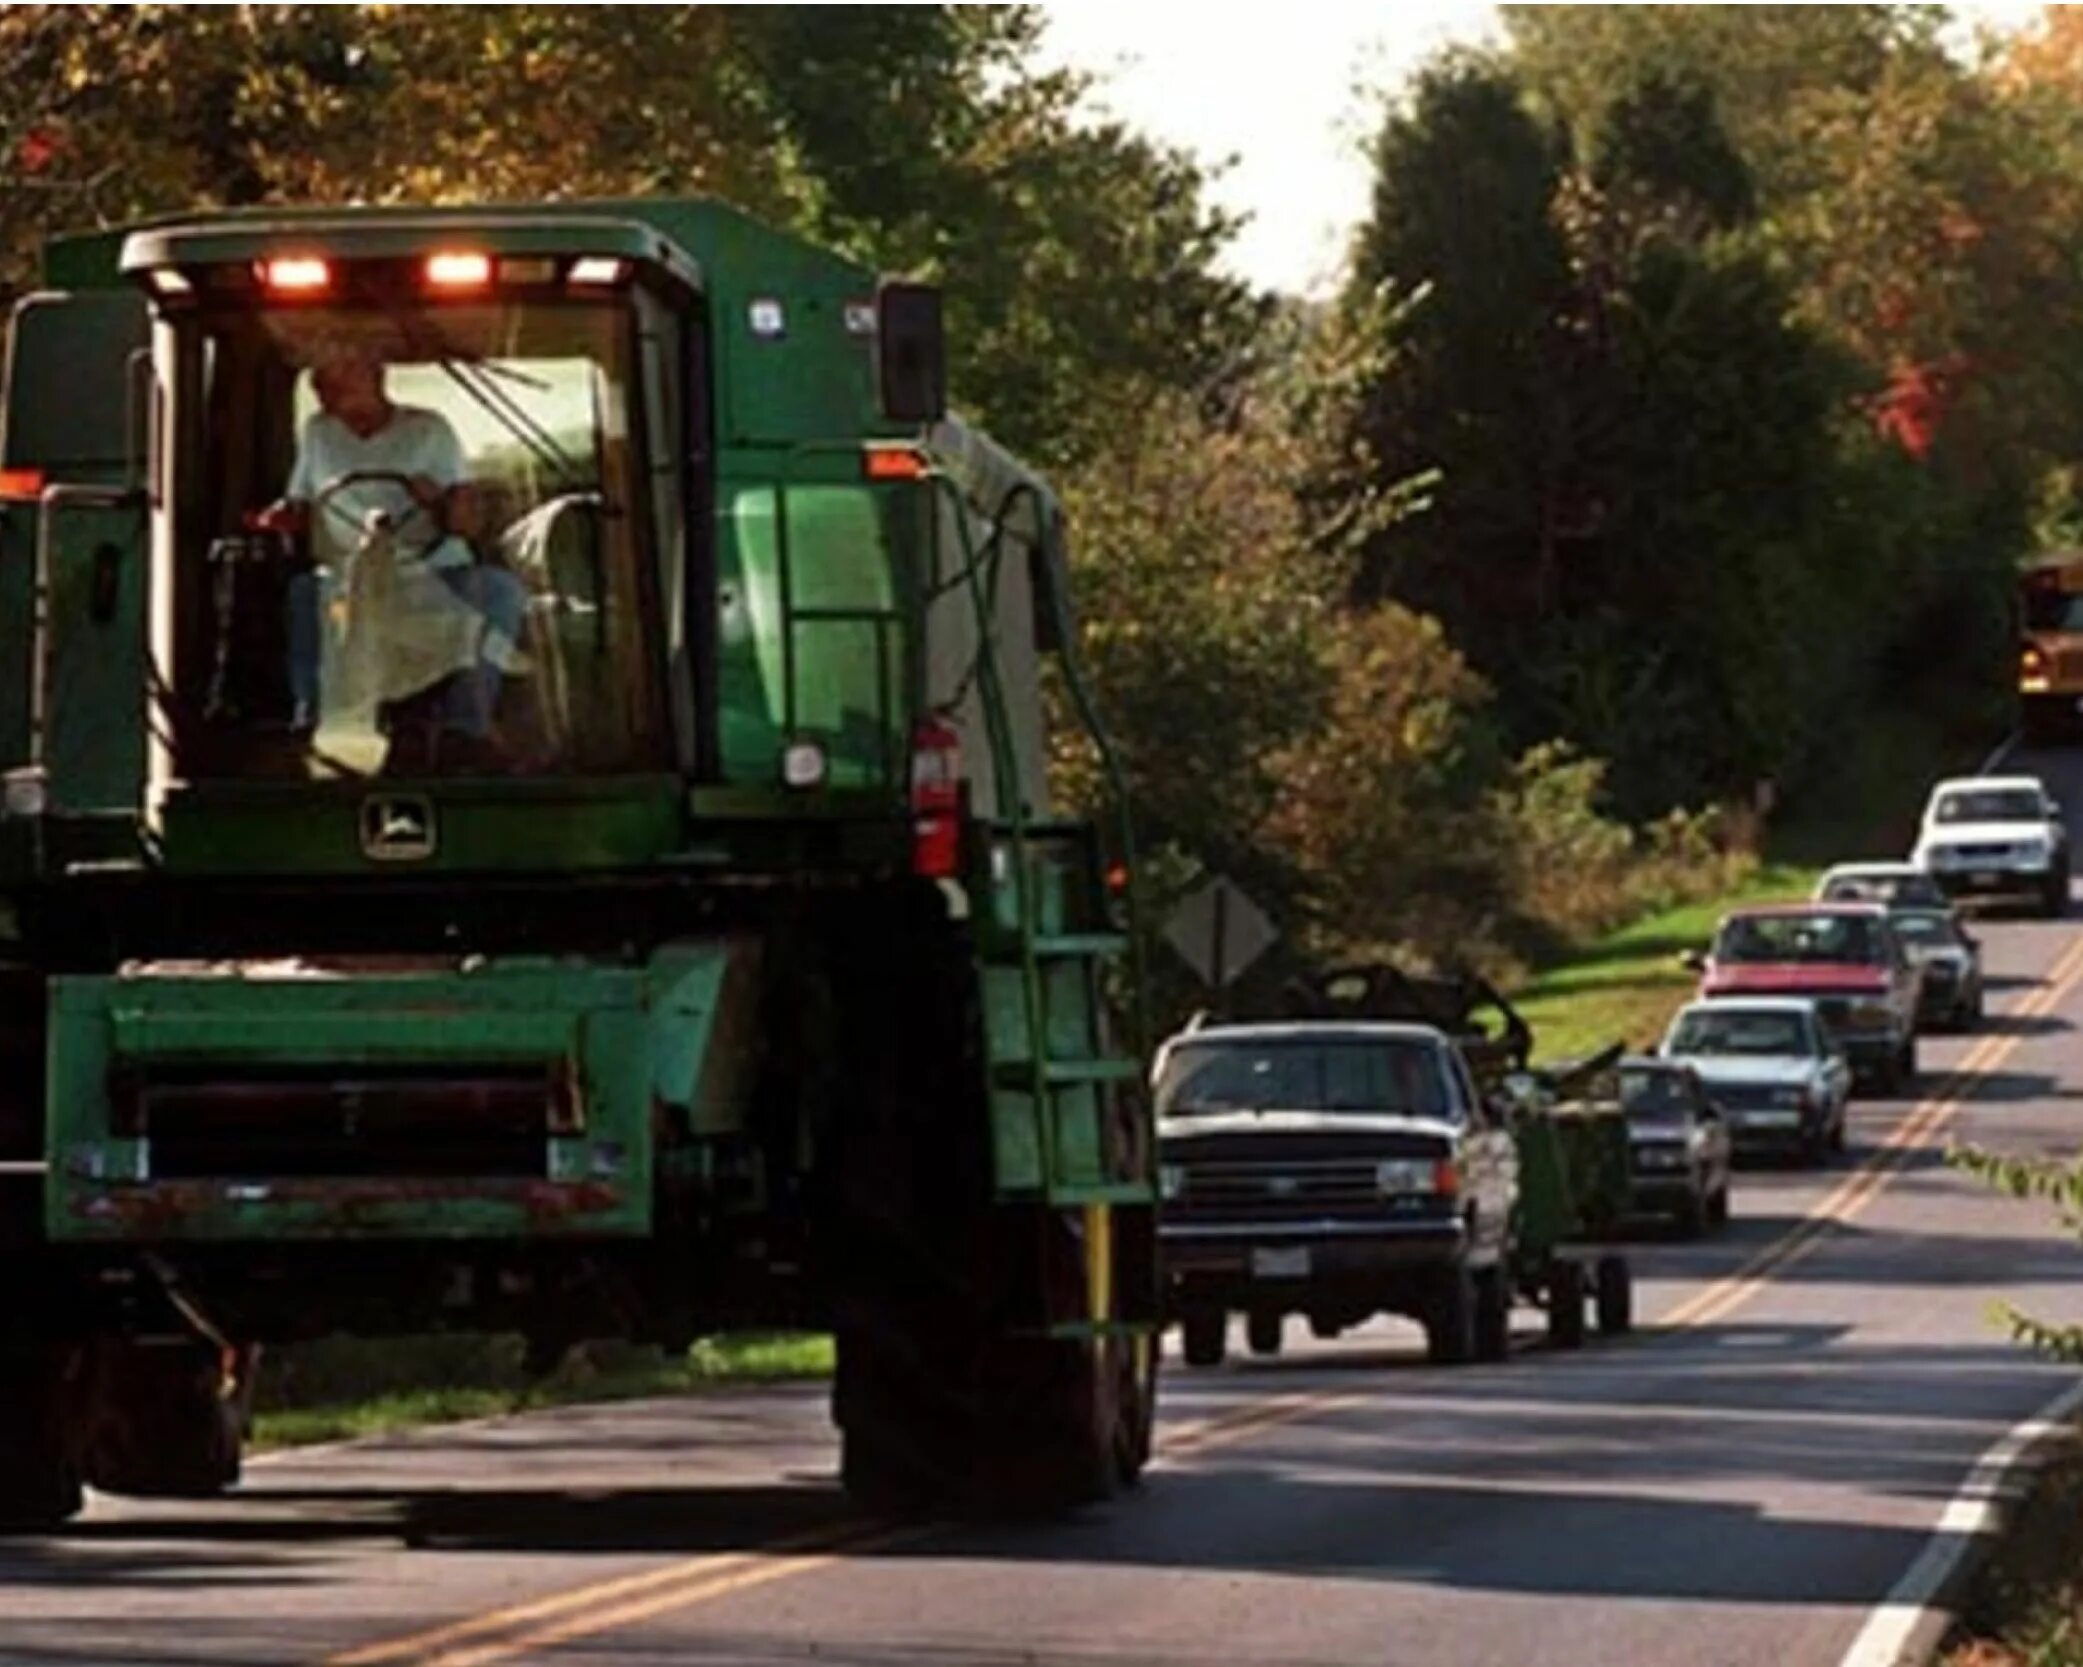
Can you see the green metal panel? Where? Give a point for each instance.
(632, 1037)
(842, 640)
(305, 827)
(71, 415)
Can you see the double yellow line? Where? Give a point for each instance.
(501, 1635)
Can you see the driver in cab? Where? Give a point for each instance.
(365, 462)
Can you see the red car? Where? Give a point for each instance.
(1847, 957)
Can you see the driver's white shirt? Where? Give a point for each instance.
(415, 441)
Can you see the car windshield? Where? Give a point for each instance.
(1713, 1031)
(1404, 1075)
(1873, 886)
(1654, 1096)
(2010, 804)
(1823, 936)
(1927, 928)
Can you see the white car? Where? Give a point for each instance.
(1899, 885)
(1772, 1065)
(1996, 836)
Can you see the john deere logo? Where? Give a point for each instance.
(397, 827)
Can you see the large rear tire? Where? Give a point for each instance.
(1262, 1329)
(166, 1420)
(1616, 1296)
(1493, 1314)
(1450, 1326)
(40, 1481)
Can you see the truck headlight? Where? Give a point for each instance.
(1400, 1176)
(1171, 1181)
(1790, 1099)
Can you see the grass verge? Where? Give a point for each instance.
(438, 1380)
(1626, 985)
(2024, 1605)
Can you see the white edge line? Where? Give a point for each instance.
(2003, 749)
(1884, 1641)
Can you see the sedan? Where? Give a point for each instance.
(1773, 1066)
(1678, 1143)
(1952, 961)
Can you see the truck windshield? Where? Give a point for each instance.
(2004, 804)
(408, 543)
(1820, 937)
(1394, 1075)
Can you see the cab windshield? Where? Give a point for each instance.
(408, 542)
(1391, 1075)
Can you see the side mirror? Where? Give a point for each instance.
(910, 353)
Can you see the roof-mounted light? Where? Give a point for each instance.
(597, 271)
(21, 486)
(296, 274)
(458, 269)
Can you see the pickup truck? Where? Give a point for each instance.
(1336, 1169)
(1847, 957)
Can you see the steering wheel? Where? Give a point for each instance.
(326, 497)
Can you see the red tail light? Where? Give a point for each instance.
(936, 800)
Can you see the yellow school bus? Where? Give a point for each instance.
(2050, 645)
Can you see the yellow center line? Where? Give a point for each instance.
(500, 1635)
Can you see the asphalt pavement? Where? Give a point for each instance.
(1743, 1481)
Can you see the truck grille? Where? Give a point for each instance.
(1278, 1191)
(1746, 1096)
(370, 1122)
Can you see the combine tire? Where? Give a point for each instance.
(1450, 1328)
(1565, 1305)
(40, 1483)
(1616, 1297)
(1493, 1314)
(1203, 1336)
(166, 1421)
(1262, 1332)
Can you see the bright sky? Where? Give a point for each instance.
(1286, 92)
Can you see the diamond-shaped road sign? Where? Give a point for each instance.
(1218, 931)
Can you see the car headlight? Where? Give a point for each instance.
(1660, 1155)
(1171, 1181)
(1396, 1177)
(2030, 850)
(1790, 1099)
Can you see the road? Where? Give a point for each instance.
(1742, 1482)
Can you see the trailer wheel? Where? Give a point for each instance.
(1262, 1331)
(1493, 1314)
(1565, 1305)
(1450, 1327)
(1616, 1296)
(40, 1484)
(1203, 1335)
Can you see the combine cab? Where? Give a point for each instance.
(524, 809)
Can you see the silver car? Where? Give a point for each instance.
(1951, 957)
(1773, 1066)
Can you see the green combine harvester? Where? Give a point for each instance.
(524, 810)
